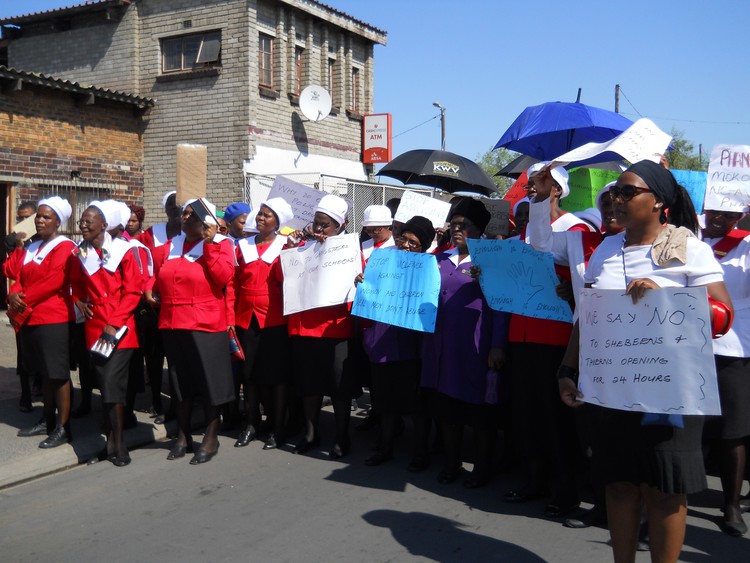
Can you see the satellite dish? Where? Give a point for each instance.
(315, 103)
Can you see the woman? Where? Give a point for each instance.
(258, 314)
(320, 344)
(192, 271)
(395, 363)
(107, 285)
(655, 466)
(468, 341)
(731, 430)
(41, 290)
(135, 223)
(235, 216)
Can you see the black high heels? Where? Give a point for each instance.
(202, 456)
(304, 445)
(179, 451)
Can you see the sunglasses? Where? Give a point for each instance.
(626, 193)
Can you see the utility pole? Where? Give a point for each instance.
(617, 98)
(442, 124)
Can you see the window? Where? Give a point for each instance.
(299, 55)
(265, 60)
(79, 199)
(332, 78)
(354, 106)
(191, 52)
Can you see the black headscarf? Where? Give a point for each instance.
(658, 179)
(422, 228)
(474, 210)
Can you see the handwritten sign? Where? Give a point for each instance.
(728, 186)
(412, 204)
(499, 214)
(516, 278)
(585, 184)
(321, 275)
(301, 198)
(641, 141)
(655, 356)
(694, 181)
(400, 288)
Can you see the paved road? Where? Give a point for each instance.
(250, 504)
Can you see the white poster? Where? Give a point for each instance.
(412, 204)
(641, 141)
(303, 200)
(655, 356)
(728, 187)
(321, 275)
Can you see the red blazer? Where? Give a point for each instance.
(114, 296)
(256, 290)
(192, 292)
(46, 284)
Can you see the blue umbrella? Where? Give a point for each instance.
(549, 130)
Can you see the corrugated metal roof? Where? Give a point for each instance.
(65, 10)
(344, 14)
(74, 87)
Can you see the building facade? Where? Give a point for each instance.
(223, 73)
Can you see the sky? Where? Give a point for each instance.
(681, 63)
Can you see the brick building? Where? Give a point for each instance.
(224, 73)
(59, 137)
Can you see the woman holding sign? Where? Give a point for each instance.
(647, 460)
(320, 342)
(258, 315)
(38, 301)
(469, 341)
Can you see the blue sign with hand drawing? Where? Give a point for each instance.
(400, 288)
(516, 278)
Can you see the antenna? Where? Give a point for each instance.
(315, 103)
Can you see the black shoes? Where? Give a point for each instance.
(59, 436)
(339, 451)
(418, 463)
(246, 436)
(304, 446)
(39, 429)
(378, 458)
(592, 517)
(272, 442)
(179, 451)
(121, 460)
(202, 456)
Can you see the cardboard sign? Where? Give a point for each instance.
(413, 204)
(728, 186)
(655, 356)
(321, 275)
(641, 141)
(400, 288)
(500, 214)
(516, 278)
(192, 166)
(585, 184)
(27, 227)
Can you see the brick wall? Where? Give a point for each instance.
(46, 134)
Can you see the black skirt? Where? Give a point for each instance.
(734, 394)
(665, 457)
(321, 367)
(267, 354)
(453, 411)
(202, 365)
(112, 375)
(46, 350)
(395, 386)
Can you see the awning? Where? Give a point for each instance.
(270, 161)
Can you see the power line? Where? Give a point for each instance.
(420, 125)
(695, 120)
(631, 103)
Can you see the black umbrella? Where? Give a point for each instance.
(439, 169)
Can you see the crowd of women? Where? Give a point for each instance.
(184, 288)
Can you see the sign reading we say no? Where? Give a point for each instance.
(376, 138)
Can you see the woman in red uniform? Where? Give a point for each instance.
(40, 286)
(261, 327)
(107, 286)
(192, 271)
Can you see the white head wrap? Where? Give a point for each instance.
(601, 193)
(519, 202)
(282, 209)
(561, 176)
(590, 215)
(109, 211)
(333, 206)
(60, 206)
(166, 197)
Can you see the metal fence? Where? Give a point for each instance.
(362, 194)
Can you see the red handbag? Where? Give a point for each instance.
(234, 346)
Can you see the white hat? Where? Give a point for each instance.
(535, 168)
(210, 206)
(601, 193)
(166, 197)
(281, 208)
(592, 216)
(519, 202)
(333, 206)
(120, 213)
(109, 211)
(560, 175)
(60, 206)
(377, 216)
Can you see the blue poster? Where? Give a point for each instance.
(400, 288)
(517, 278)
(694, 182)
